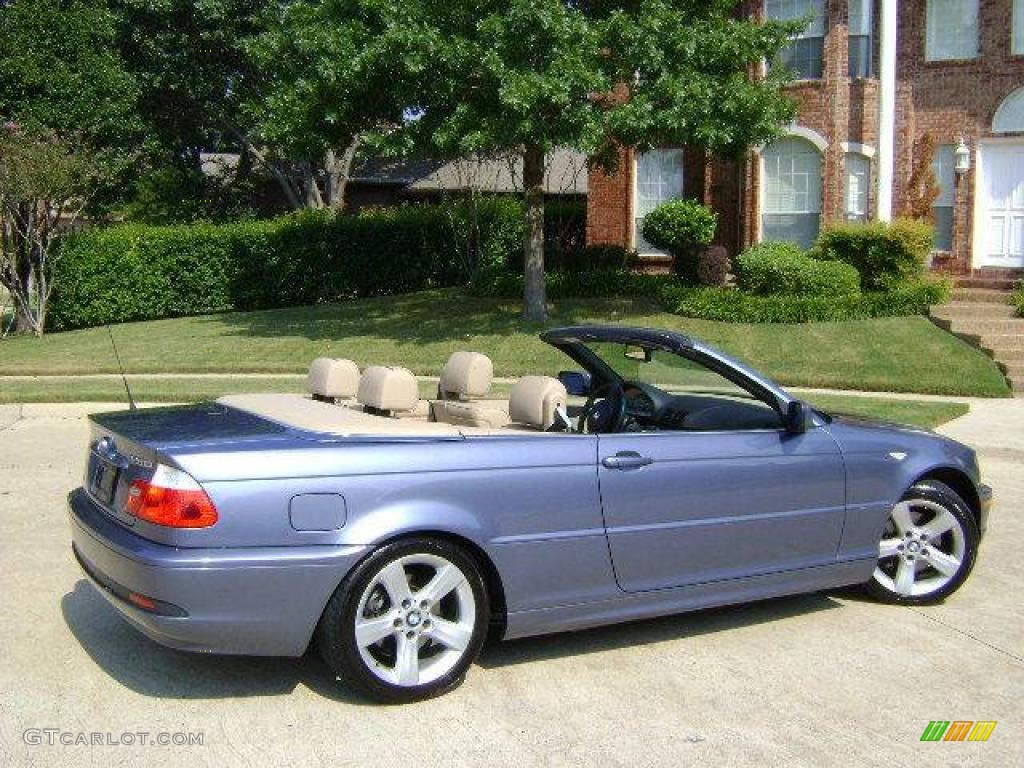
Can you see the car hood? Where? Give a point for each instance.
(866, 422)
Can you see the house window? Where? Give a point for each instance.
(860, 38)
(858, 185)
(952, 30)
(805, 54)
(659, 178)
(791, 209)
(1018, 28)
(942, 208)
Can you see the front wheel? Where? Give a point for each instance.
(927, 549)
(408, 621)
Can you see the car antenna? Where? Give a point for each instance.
(120, 368)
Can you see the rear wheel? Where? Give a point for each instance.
(928, 547)
(408, 622)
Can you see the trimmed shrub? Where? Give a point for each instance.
(713, 265)
(681, 227)
(735, 306)
(595, 283)
(885, 254)
(137, 272)
(783, 269)
(1017, 299)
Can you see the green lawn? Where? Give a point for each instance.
(420, 330)
(153, 390)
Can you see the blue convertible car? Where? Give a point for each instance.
(657, 476)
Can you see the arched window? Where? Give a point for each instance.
(791, 191)
(1010, 115)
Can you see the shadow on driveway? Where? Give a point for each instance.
(153, 670)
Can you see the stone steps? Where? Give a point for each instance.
(979, 295)
(979, 317)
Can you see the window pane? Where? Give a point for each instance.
(943, 227)
(659, 178)
(860, 56)
(858, 185)
(805, 54)
(952, 29)
(791, 191)
(945, 176)
(799, 229)
(1018, 27)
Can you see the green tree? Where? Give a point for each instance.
(528, 76)
(335, 73)
(60, 74)
(45, 183)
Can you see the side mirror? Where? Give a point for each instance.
(576, 382)
(799, 417)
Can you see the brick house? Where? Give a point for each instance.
(873, 77)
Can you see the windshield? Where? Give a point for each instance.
(667, 371)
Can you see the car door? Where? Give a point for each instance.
(683, 508)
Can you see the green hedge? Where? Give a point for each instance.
(735, 306)
(138, 272)
(782, 268)
(885, 254)
(1017, 299)
(595, 283)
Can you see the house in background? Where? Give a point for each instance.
(873, 76)
(378, 181)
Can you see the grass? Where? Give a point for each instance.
(188, 389)
(420, 330)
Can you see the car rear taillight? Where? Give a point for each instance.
(171, 498)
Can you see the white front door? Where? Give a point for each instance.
(999, 240)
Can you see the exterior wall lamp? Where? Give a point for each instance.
(963, 157)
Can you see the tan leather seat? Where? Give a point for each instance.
(331, 380)
(465, 379)
(536, 400)
(388, 391)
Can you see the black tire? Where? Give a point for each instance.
(932, 495)
(336, 632)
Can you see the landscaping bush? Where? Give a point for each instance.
(713, 265)
(595, 283)
(1017, 299)
(681, 227)
(736, 306)
(885, 254)
(137, 272)
(589, 258)
(782, 268)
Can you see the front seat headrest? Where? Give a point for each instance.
(535, 400)
(331, 379)
(466, 374)
(388, 389)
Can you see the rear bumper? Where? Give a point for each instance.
(260, 601)
(985, 504)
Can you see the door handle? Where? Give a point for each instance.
(626, 460)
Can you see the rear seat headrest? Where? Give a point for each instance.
(535, 399)
(329, 378)
(388, 389)
(467, 374)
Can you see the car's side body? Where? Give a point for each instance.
(566, 541)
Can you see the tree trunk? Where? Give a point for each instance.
(339, 169)
(534, 298)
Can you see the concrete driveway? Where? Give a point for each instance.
(813, 681)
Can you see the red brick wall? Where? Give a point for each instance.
(946, 99)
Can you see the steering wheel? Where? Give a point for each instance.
(605, 410)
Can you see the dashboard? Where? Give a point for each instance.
(648, 407)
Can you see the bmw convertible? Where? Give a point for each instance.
(654, 475)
